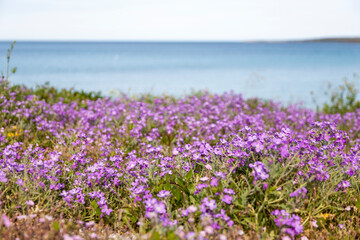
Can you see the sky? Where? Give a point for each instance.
(178, 20)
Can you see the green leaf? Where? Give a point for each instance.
(188, 175)
(96, 208)
(220, 186)
(98, 212)
(14, 70)
(133, 219)
(56, 226)
(155, 236)
(167, 186)
(94, 204)
(171, 236)
(180, 181)
(176, 192)
(358, 203)
(191, 188)
(173, 178)
(271, 189)
(167, 182)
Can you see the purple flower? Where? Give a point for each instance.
(42, 184)
(284, 151)
(220, 175)
(159, 207)
(6, 221)
(289, 224)
(342, 226)
(106, 210)
(203, 179)
(229, 191)
(30, 203)
(185, 212)
(175, 152)
(227, 199)
(3, 177)
(314, 224)
(208, 204)
(201, 186)
(163, 194)
(218, 151)
(93, 235)
(259, 146)
(192, 209)
(208, 166)
(214, 182)
(300, 192)
(20, 182)
(131, 165)
(90, 224)
(344, 184)
(21, 217)
(260, 171)
(190, 235)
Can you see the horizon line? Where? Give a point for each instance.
(323, 39)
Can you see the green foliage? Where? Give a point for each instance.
(44, 92)
(52, 95)
(342, 99)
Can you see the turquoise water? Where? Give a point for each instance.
(287, 72)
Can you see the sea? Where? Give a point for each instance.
(287, 72)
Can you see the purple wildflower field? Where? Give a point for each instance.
(203, 166)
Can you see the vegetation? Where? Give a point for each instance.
(343, 98)
(76, 165)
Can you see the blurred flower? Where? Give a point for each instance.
(163, 194)
(314, 224)
(289, 224)
(342, 226)
(29, 203)
(227, 199)
(190, 235)
(21, 217)
(209, 229)
(300, 192)
(90, 224)
(222, 237)
(3, 177)
(229, 191)
(6, 221)
(208, 166)
(214, 182)
(20, 182)
(93, 235)
(260, 171)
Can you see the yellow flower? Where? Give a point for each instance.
(10, 134)
(324, 216)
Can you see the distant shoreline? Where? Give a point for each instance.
(346, 40)
(325, 40)
(320, 40)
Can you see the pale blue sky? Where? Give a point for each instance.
(178, 20)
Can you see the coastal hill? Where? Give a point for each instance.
(344, 40)
(349, 40)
